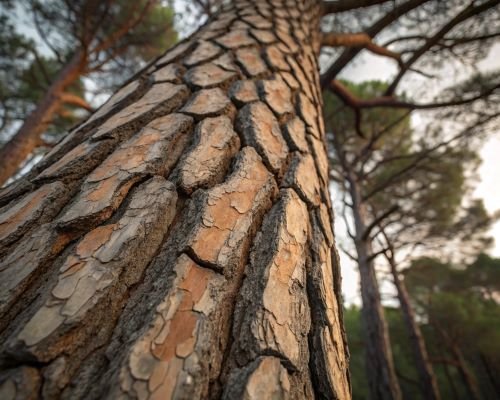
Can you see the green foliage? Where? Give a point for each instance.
(153, 36)
(15, 52)
(460, 306)
(400, 347)
(423, 176)
(341, 120)
(352, 321)
(460, 300)
(33, 84)
(117, 36)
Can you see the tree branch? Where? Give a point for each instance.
(378, 253)
(390, 101)
(420, 157)
(463, 15)
(330, 7)
(124, 29)
(361, 39)
(379, 219)
(74, 100)
(347, 253)
(43, 36)
(372, 31)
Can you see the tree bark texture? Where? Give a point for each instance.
(179, 244)
(379, 364)
(28, 137)
(428, 382)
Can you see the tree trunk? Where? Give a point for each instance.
(379, 363)
(179, 245)
(467, 377)
(451, 382)
(428, 383)
(459, 361)
(490, 373)
(28, 137)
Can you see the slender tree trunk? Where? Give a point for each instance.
(451, 383)
(28, 137)
(459, 361)
(467, 376)
(179, 245)
(491, 373)
(379, 363)
(428, 383)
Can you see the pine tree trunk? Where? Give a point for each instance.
(28, 137)
(490, 373)
(458, 359)
(451, 382)
(379, 364)
(179, 245)
(428, 383)
(468, 378)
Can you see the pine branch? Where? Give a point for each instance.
(74, 100)
(469, 12)
(372, 31)
(360, 40)
(331, 7)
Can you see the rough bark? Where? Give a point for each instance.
(379, 364)
(179, 244)
(428, 382)
(28, 137)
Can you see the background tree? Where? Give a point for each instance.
(103, 40)
(459, 298)
(419, 36)
(460, 310)
(405, 192)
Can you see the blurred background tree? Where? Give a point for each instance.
(42, 82)
(457, 309)
(404, 193)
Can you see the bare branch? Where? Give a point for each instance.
(361, 40)
(372, 31)
(74, 100)
(347, 253)
(376, 254)
(330, 7)
(465, 14)
(390, 101)
(378, 220)
(43, 36)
